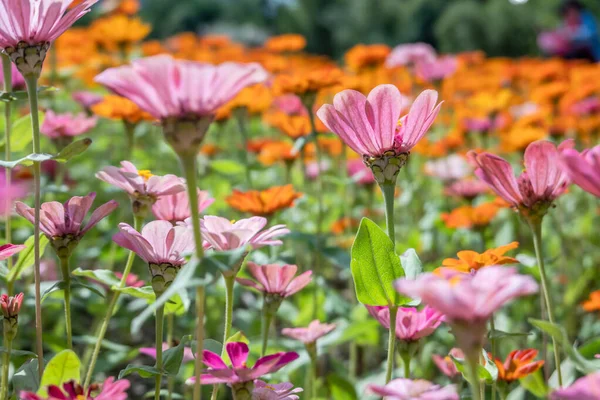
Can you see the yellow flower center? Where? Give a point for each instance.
(145, 173)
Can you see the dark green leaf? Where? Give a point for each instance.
(341, 388)
(26, 378)
(173, 357)
(19, 353)
(72, 150)
(145, 371)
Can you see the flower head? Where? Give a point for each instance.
(469, 260)
(435, 70)
(411, 54)
(446, 364)
(119, 108)
(407, 389)
(111, 389)
(359, 172)
(275, 279)
(311, 333)
(448, 169)
(363, 56)
(518, 364)
(8, 250)
(263, 202)
(593, 302)
(11, 305)
(584, 168)
(86, 99)
(176, 207)
(275, 391)
(9, 193)
(586, 388)
(471, 216)
(411, 324)
(287, 43)
(466, 188)
(57, 126)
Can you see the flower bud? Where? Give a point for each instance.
(10, 311)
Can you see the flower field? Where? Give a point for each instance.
(266, 223)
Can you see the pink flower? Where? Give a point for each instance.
(410, 54)
(275, 279)
(221, 234)
(63, 223)
(466, 188)
(219, 372)
(11, 305)
(310, 334)
(536, 188)
(176, 207)
(7, 250)
(586, 106)
(359, 172)
(188, 355)
(66, 125)
(483, 124)
(9, 193)
(132, 280)
(419, 389)
(290, 104)
(586, 388)
(87, 99)
(274, 391)
(411, 324)
(369, 125)
(313, 170)
(165, 87)
(450, 168)
(437, 69)
(18, 82)
(110, 390)
(584, 168)
(446, 364)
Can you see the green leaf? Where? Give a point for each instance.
(19, 353)
(559, 334)
(364, 333)
(58, 286)
(22, 95)
(104, 276)
(375, 266)
(26, 257)
(411, 264)
(21, 135)
(173, 357)
(72, 150)
(145, 371)
(26, 378)
(487, 372)
(227, 167)
(535, 384)
(341, 388)
(27, 160)
(173, 304)
(496, 334)
(63, 367)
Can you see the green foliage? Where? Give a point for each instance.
(63, 367)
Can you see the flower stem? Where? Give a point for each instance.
(7, 75)
(32, 94)
(388, 198)
(313, 377)
(229, 282)
(494, 355)
(130, 139)
(241, 115)
(406, 361)
(160, 313)
(267, 318)
(536, 228)
(110, 309)
(188, 164)
(170, 379)
(5, 368)
(391, 344)
(66, 275)
(472, 364)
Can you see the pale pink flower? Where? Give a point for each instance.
(188, 355)
(8, 194)
(359, 172)
(176, 207)
(111, 389)
(586, 106)
(411, 324)
(57, 126)
(276, 279)
(539, 185)
(18, 82)
(586, 388)
(275, 391)
(219, 372)
(410, 54)
(309, 335)
(450, 168)
(87, 99)
(437, 69)
(466, 188)
(290, 104)
(165, 87)
(369, 125)
(419, 389)
(8, 250)
(584, 168)
(132, 280)
(446, 364)
(313, 170)
(221, 234)
(58, 220)
(484, 124)
(11, 306)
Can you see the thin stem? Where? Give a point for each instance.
(66, 275)
(5, 368)
(406, 362)
(110, 309)
(473, 363)
(536, 228)
(130, 139)
(388, 198)
(160, 313)
(353, 360)
(391, 344)
(313, 377)
(494, 355)
(241, 116)
(7, 75)
(170, 328)
(267, 319)
(229, 282)
(200, 341)
(32, 94)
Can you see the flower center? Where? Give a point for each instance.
(145, 173)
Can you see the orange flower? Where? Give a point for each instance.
(343, 224)
(209, 149)
(120, 108)
(273, 152)
(255, 99)
(293, 126)
(118, 31)
(152, 48)
(265, 202)
(308, 81)
(471, 260)
(288, 43)
(593, 303)
(518, 364)
(366, 56)
(471, 216)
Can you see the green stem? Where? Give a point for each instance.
(536, 228)
(170, 328)
(391, 344)
(32, 94)
(267, 318)
(241, 115)
(406, 362)
(229, 282)
(66, 275)
(110, 309)
(313, 377)
(388, 198)
(494, 355)
(160, 313)
(353, 360)
(130, 139)
(7, 75)
(473, 363)
(5, 368)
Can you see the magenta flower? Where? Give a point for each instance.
(274, 391)
(176, 207)
(537, 187)
(437, 69)
(410, 54)
(584, 168)
(57, 126)
(221, 234)
(27, 28)
(359, 172)
(9, 193)
(290, 104)
(411, 324)
(586, 388)
(109, 390)
(239, 373)
(161, 245)
(63, 223)
(310, 334)
(8, 250)
(188, 355)
(275, 279)
(419, 389)
(18, 82)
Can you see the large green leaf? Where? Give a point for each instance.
(535, 384)
(65, 155)
(27, 377)
(63, 367)
(173, 357)
(104, 276)
(375, 266)
(26, 257)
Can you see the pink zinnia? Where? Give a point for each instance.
(87, 99)
(8, 250)
(188, 355)
(176, 207)
(9, 193)
(410, 54)
(290, 104)
(276, 279)
(359, 172)
(411, 324)
(466, 188)
(66, 125)
(274, 391)
(311, 333)
(448, 169)
(446, 364)
(537, 187)
(586, 388)
(584, 168)
(437, 69)
(419, 389)
(109, 390)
